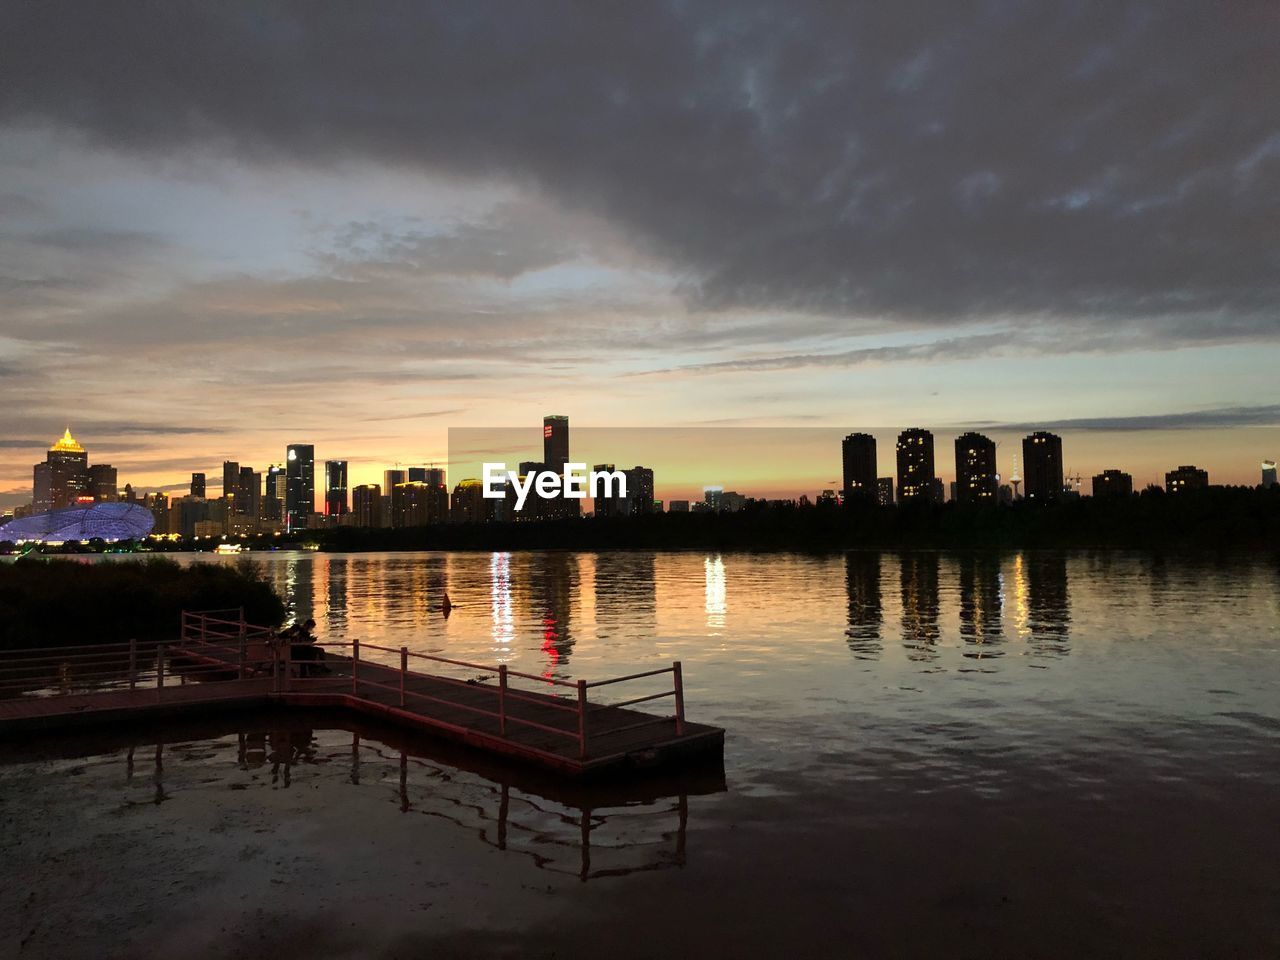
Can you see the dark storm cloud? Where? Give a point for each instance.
(925, 162)
(1266, 415)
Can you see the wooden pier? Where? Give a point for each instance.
(221, 663)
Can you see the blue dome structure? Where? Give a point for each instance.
(94, 521)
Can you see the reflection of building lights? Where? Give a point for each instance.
(713, 568)
(503, 629)
(1020, 605)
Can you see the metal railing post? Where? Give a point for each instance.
(243, 639)
(582, 719)
(133, 663)
(159, 670)
(355, 665)
(679, 678)
(404, 670)
(204, 628)
(502, 699)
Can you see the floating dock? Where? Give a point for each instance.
(222, 663)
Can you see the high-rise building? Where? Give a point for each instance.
(249, 493)
(63, 478)
(1268, 474)
(977, 480)
(1042, 466)
(231, 485)
(1112, 483)
(915, 466)
(639, 490)
(366, 505)
(608, 506)
(273, 498)
(555, 442)
(1186, 478)
(299, 485)
(335, 488)
(102, 483)
(197, 485)
(468, 503)
(884, 491)
(392, 477)
(859, 455)
(416, 503)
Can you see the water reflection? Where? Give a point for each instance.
(1049, 614)
(981, 603)
(547, 585)
(624, 587)
(716, 594)
(504, 629)
(920, 631)
(862, 584)
(586, 831)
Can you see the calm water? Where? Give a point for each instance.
(963, 754)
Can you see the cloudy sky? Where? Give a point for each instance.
(225, 227)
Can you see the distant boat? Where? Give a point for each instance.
(227, 548)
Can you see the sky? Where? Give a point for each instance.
(229, 227)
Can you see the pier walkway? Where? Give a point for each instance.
(220, 662)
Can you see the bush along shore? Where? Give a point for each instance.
(47, 602)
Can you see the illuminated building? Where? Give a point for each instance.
(1042, 466)
(63, 478)
(335, 488)
(884, 491)
(555, 442)
(102, 483)
(366, 505)
(416, 503)
(1186, 478)
(392, 477)
(1268, 474)
(468, 504)
(976, 478)
(299, 485)
(608, 506)
(231, 485)
(273, 499)
(639, 490)
(858, 452)
(83, 522)
(249, 493)
(915, 466)
(1112, 483)
(678, 506)
(197, 485)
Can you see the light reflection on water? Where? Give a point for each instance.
(1027, 652)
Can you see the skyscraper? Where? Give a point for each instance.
(1268, 474)
(639, 490)
(299, 485)
(555, 442)
(335, 488)
(915, 466)
(102, 483)
(884, 491)
(859, 455)
(1042, 466)
(1186, 478)
(977, 480)
(231, 485)
(249, 492)
(273, 499)
(1112, 483)
(366, 505)
(63, 478)
(197, 485)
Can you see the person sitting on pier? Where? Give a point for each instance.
(303, 649)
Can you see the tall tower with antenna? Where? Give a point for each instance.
(1015, 477)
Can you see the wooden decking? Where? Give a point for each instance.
(568, 733)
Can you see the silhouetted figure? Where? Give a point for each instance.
(303, 650)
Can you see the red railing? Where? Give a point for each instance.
(215, 647)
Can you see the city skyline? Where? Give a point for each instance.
(752, 215)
